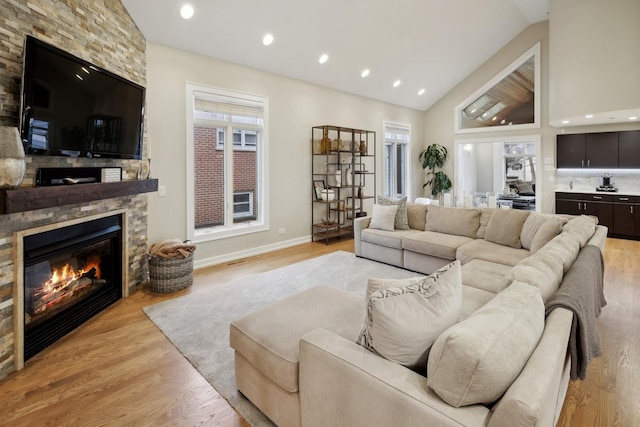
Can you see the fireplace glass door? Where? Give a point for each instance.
(70, 274)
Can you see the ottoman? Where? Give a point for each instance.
(266, 344)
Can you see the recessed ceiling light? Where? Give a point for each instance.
(589, 116)
(494, 118)
(396, 83)
(186, 11)
(421, 92)
(633, 118)
(365, 73)
(267, 39)
(323, 58)
(565, 122)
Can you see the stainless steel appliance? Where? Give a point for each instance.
(607, 184)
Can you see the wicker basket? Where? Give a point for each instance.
(170, 275)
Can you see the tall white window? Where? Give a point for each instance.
(227, 150)
(397, 138)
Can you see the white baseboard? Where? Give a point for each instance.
(202, 263)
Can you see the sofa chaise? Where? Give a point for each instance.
(298, 360)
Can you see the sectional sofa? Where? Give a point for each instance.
(307, 361)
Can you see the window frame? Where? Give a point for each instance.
(230, 228)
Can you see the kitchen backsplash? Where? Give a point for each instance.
(588, 180)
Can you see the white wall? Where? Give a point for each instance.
(294, 107)
(594, 60)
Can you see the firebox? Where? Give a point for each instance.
(70, 275)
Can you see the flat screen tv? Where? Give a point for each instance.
(73, 108)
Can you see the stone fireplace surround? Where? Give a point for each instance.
(14, 226)
(103, 33)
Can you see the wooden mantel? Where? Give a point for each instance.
(30, 198)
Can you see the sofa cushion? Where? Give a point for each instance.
(389, 239)
(268, 338)
(505, 226)
(417, 216)
(485, 275)
(457, 221)
(477, 359)
(542, 270)
(485, 215)
(488, 251)
(401, 221)
(383, 217)
(582, 227)
(534, 221)
(441, 245)
(404, 317)
(547, 231)
(565, 248)
(473, 299)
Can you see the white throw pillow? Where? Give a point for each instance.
(383, 217)
(477, 360)
(404, 317)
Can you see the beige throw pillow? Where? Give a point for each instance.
(417, 216)
(477, 360)
(547, 231)
(404, 317)
(383, 217)
(505, 226)
(401, 221)
(456, 221)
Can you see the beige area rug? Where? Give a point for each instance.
(198, 323)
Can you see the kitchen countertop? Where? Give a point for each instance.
(613, 193)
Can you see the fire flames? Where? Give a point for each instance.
(64, 283)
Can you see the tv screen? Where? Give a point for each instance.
(71, 107)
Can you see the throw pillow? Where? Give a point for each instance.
(401, 221)
(547, 231)
(383, 217)
(582, 227)
(456, 221)
(534, 221)
(525, 189)
(485, 216)
(476, 360)
(404, 317)
(417, 216)
(505, 226)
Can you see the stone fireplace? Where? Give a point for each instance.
(102, 32)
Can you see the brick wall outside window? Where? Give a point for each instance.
(209, 177)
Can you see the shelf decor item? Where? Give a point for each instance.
(363, 148)
(12, 162)
(325, 143)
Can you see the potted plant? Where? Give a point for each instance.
(433, 157)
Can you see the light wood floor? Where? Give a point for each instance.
(119, 369)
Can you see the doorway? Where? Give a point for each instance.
(504, 167)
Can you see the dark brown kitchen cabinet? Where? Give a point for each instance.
(569, 203)
(629, 149)
(570, 150)
(602, 209)
(601, 150)
(587, 150)
(600, 206)
(626, 216)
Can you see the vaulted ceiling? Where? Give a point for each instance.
(428, 45)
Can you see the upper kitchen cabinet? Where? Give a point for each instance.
(590, 150)
(570, 150)
(601, 150)
(629, 149)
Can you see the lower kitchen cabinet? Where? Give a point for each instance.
(619, 213)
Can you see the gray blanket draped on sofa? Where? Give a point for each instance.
(582, 292)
